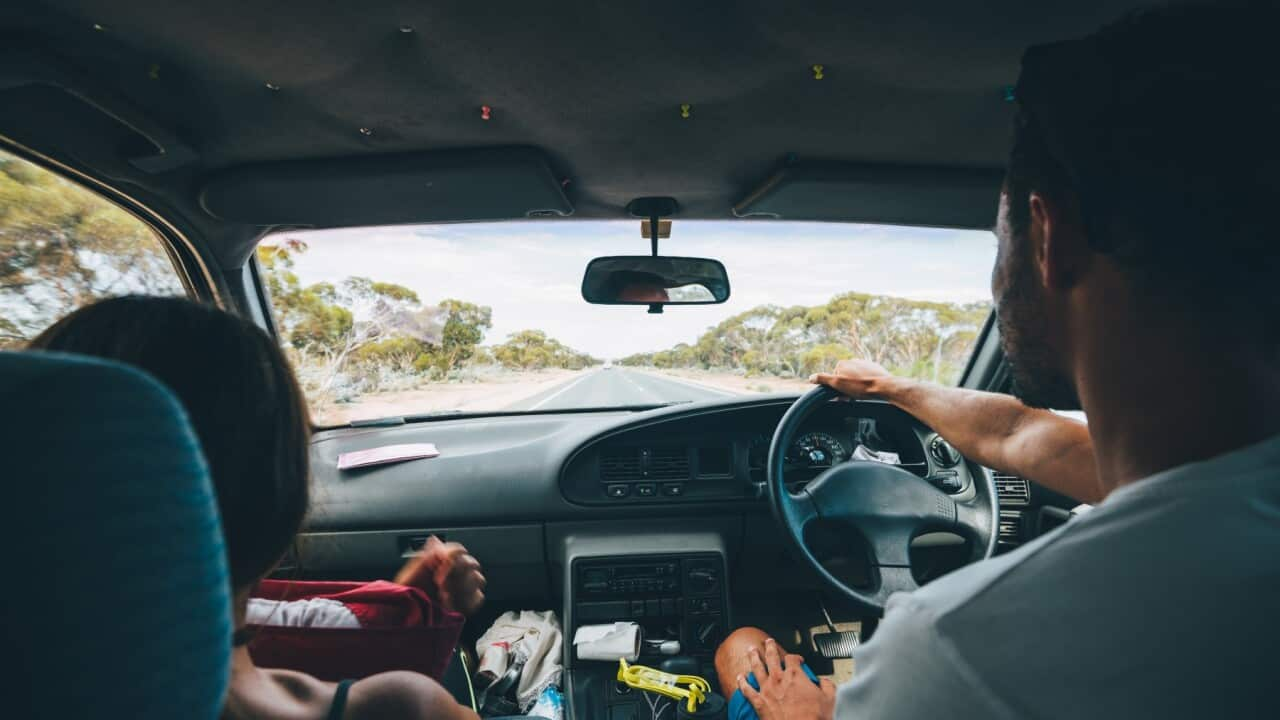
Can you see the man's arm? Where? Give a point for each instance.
(992, 429)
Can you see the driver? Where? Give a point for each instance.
(634, 286)
(1134, 279)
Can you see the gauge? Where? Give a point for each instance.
(817, 450)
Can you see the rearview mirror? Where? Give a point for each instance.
(655, 280)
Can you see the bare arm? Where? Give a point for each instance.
(448, 573)
(992, 429)
(403, 695)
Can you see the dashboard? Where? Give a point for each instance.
(532, 494)
(723, 455)
(605, 466)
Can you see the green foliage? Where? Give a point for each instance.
(912, 337)
(464, 327)
(63, 247)
(363, 335)
(533, 350)
(397, 351)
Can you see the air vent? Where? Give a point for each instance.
(620, 465)
(1012, 490)
(1010, 532)
(634, 464)
(666, 463)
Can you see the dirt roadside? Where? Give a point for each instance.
(494, 394)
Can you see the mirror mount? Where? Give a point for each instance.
(653, 209)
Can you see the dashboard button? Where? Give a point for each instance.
(673, 489)
(602, 611)
(942, 452)
(617, 491)
(702, 606)
(947, 481)
(646, 490)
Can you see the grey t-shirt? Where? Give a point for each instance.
(1162, 602)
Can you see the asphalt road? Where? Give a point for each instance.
(616, 386)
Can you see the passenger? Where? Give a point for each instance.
(251, 420)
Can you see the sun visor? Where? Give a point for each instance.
(46, 100)
(430, 187)
(887, 195)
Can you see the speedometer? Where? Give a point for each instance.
(817, 450)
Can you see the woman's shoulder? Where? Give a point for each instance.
(403, 694)
(280, 693)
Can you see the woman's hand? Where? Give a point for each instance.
(448, 573)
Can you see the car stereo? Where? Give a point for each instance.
(679, 597)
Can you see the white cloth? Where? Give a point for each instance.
(620, 640)
(537, 636)
(1159, 603)
(311, 612)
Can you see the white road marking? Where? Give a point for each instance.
(637, 385)
(560, 392)
(691, 384)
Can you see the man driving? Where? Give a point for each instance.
(1133, 280)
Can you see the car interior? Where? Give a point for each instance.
(218, 124)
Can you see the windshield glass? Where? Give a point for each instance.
(385, 322)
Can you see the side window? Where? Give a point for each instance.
(62, 247)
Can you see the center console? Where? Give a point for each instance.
(673, 585)
(672, 597)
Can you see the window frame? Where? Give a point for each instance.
(189, 265)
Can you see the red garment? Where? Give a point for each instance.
(402, 628)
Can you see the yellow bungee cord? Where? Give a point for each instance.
(663, 683)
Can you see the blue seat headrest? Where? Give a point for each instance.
(117, 594)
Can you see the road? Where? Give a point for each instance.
(616, 386)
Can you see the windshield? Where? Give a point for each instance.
(399, 321)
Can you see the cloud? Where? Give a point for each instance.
(530, 272)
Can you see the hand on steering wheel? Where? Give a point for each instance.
(887, 504)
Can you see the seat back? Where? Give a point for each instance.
(117, 598)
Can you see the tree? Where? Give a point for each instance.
(464, 327)
(533, 350)
(353, 331)
(63, 247)
(911, 337)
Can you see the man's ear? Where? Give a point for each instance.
(1060, 248)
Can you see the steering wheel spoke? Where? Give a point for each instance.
(972, 521)
(890, 542)
(892, 579)
(801, 508)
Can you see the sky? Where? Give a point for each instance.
(530, 273)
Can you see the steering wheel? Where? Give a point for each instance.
(887, 504)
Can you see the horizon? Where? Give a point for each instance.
(529, 272)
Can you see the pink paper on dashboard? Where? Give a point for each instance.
(386, 454)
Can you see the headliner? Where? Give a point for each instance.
(596, 85)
